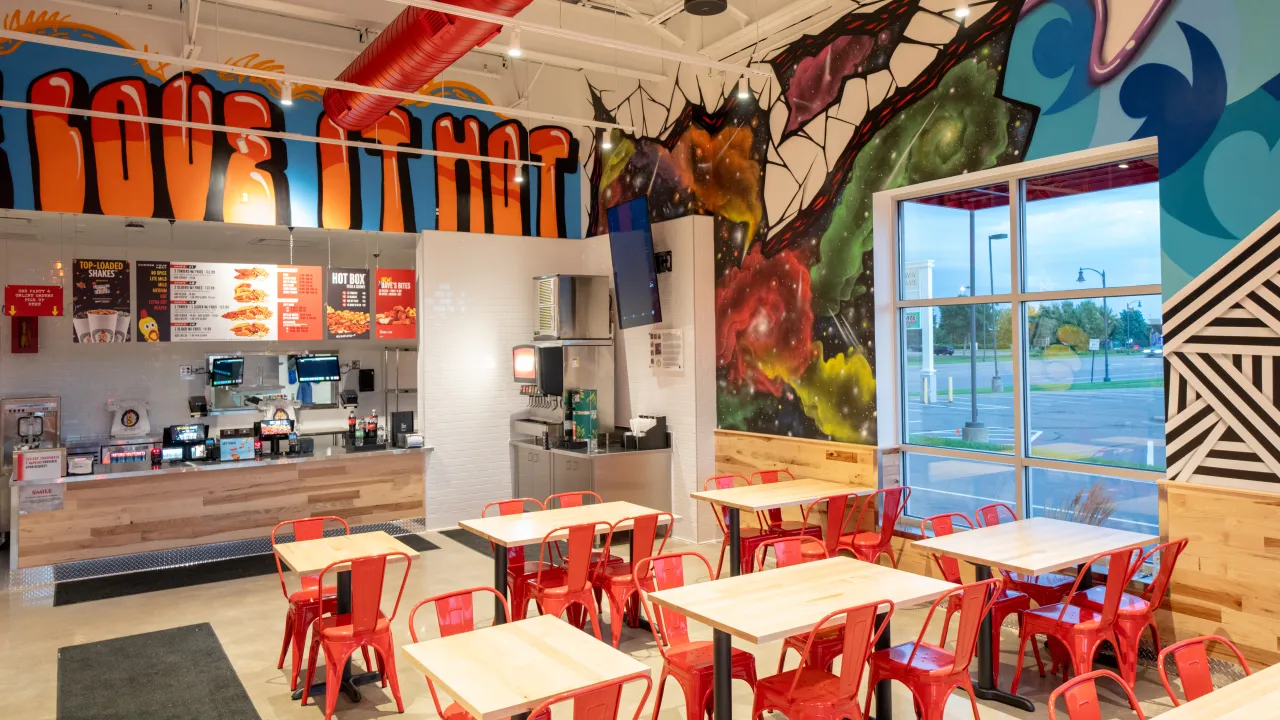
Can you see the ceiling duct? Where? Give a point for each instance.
(416, 47)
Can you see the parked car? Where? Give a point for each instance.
(943, 350)
(1156, 351)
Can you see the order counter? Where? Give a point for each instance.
(89, 517)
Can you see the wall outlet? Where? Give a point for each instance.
(187, 372)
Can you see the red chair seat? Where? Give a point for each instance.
(455, 712)
(1093, 597)
(815, 690)
(863, 539)
(827, 646)
(339, 627)
(1043, 589)
(1075, 616)
(698, 657)
(929, 658)
(311, 595)
(613, 559)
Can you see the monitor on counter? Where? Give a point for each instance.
(271, 429)
(226, 371)
(318, 368)
(635, 278)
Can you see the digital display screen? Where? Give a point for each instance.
(226, 371)
(199, 452)
(635, 279)
(275, 428)
(318, 368)
(187, 434)
(236, 449)
(171, 454)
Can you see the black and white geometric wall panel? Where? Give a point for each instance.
(1222, 369)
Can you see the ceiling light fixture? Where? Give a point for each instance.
(514, 50)
(606, 142)
(1124, 166)
(519, 174)
(286, 93)
(962, 11)
(744, 91)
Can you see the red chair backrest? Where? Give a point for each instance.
(839, 508)
(514, 506)
(1192, 658)
(1081, 695)
(941, 526)
(599, 701)
(1168, 553)
(644, 534)
(723, 482)
(578, 559)
(788, 551)
(891, 502)
(571, 499)
(1121, 567)
(994, 514)
(303, 529)
(861, 631)
(368, 575)
(663, 572)
(976, 600)
(765, 477)
(455, 611)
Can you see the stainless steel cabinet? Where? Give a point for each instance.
(571, 474)
(533, 472)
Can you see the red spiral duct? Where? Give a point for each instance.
(416, 47)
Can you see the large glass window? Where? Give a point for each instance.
(1040, 352)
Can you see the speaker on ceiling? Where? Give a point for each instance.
(705, 7)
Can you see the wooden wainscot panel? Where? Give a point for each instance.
(745, 453)
(163, 511)
(1225, 582)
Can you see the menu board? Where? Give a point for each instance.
(187, 302)
(395, 305)
(153, 301)
(347, 311)
(100, 301)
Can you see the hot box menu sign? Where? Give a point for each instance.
(187, 302)
(347, 314)
(100, 301)
(396, 313)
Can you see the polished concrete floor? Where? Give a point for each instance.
(247, 616)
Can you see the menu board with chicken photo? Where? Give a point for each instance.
(396, 316)
(347, 309)
(222, 301)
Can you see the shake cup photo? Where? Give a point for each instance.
(123, 327)
(81, 323)
(102, 325)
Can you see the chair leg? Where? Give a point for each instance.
(311, 668)
(1022, 653)
(368, 663)
(616, 615)
(973, 697)
(946, 625)
(288, 637)
(782, 656)
(333, 679)
(387, 657)
(657, 698)
(594, 611)
(720, 563)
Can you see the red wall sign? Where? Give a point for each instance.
(395, 304)
(33, 300)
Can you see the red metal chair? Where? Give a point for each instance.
(791, 550)
(1044, 589)
(1137, 612)
(771, 520)
(932, 672)
(304, 604)
(1081, 695)
(617, 581)
(1192, 659)
(365, 626)
(751, 537)
(558, 588)
(869, 546)
(578, 498)
(518, 569)
(829, 642)
(839, 509)
(811, 690)
(689, 662)
(599, 701)
(1078, 630)
(455, 614)
(1008, 603)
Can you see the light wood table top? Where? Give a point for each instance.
(1036, 546)
(773, 604)
(312, 556)
(499, 671)
(800, 491)
(530, 528)
(1250, 698)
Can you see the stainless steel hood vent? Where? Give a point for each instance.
(573, 307)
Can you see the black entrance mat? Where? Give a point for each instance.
(78, 591)
(182, 673)
(469, 539)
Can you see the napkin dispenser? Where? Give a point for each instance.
(654, 437)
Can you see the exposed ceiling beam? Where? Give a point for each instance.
(667, 13)
(500, 50)
(661, 31)
(553, 31)
(181, 63)
(303, 12)
(764, 28)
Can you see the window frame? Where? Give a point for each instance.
(889, 262)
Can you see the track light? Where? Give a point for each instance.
(962, 11)
(744, 91)
(286, 94)
(520, 173)
(514, 50)
(606, 141)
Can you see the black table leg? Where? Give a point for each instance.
(987, 689)
(722, 684)
(350, 683)
(499, 583)
(884, 688)
(735, 543)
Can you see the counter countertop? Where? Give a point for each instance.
(330, 453)
(599, 452)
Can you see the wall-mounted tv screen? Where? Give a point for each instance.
(318, 368)
(226, 371)
(635, 280)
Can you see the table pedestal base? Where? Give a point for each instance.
(350, 686)
(986, 689)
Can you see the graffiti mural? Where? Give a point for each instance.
(60, 162)
(890, 94)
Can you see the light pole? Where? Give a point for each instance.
(974, 431)
(997, 385)
(1106, 316)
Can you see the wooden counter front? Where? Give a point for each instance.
(162, 510)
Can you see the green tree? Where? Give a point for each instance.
(952, 324)
(1132, 328)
